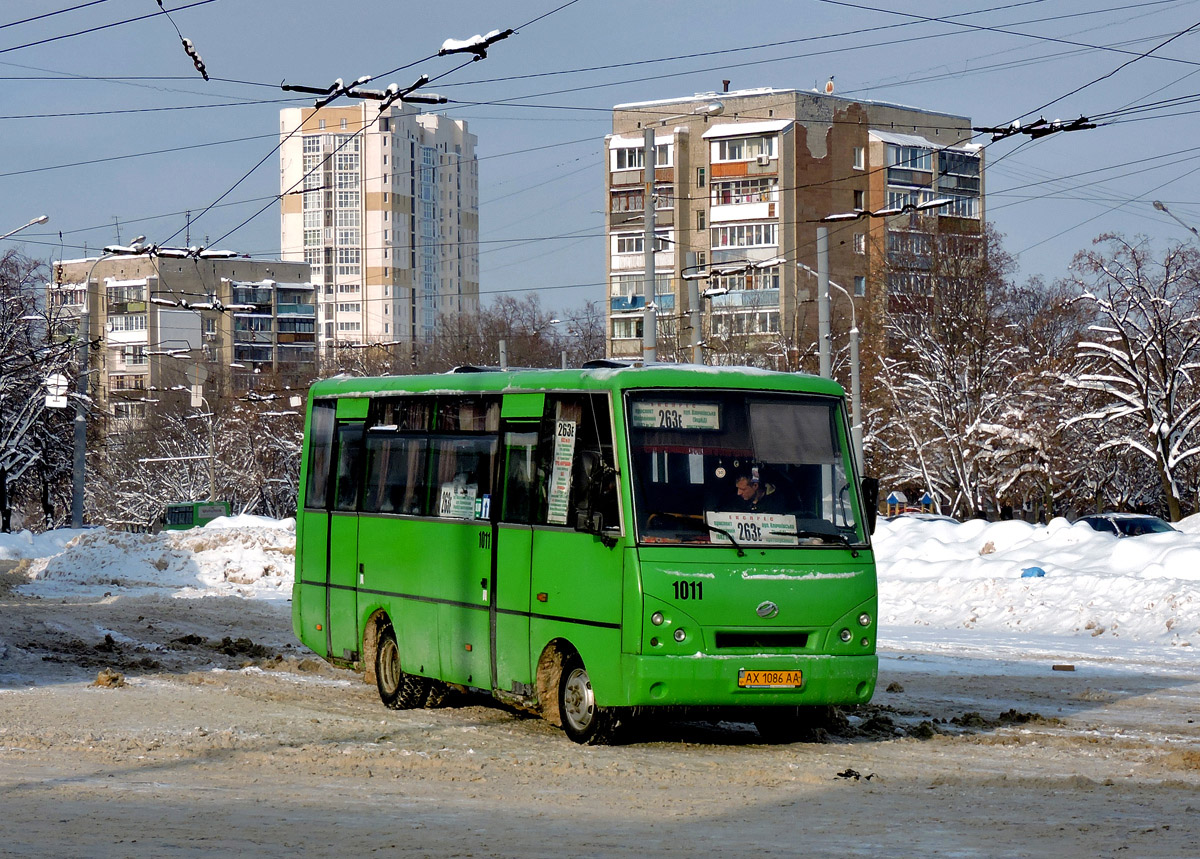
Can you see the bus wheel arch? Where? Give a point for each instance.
(564, 690)
(398, 690)
(549, 676)
(370, 644)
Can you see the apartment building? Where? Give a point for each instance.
(742, 182)
(164, 325)
(384, 207)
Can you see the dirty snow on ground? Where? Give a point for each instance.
(971, 589)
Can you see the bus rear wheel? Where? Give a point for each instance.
(582, 720)
(397, 689)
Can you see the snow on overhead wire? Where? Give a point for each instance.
(476, 45)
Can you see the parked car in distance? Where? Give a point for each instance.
(1126, 524)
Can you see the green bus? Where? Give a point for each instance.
(192, 514)
(587, 543)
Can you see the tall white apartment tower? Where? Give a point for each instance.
(385, 209)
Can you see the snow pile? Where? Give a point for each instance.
(942, 576)
(943, 586)
(239, 556)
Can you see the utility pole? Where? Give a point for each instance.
(695, 317)
(649, 315)
(823, 301)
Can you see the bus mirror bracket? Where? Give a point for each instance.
(870, 494)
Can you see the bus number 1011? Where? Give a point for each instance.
(688, 590)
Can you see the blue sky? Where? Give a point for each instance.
(69, 100)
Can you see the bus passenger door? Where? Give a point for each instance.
(341, 576)
(511, 549)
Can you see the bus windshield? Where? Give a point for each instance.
(739, 467)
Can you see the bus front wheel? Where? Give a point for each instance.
(582, 720)
(398, 690)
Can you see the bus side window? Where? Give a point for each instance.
(350, 439)
(395, 474)
(320, 447)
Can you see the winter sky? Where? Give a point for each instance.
(110, 96)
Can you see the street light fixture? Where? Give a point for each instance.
(1158, 204)
(40, 219)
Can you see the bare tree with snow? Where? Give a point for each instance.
(34, 440)
(955, 375)
(1141, 358)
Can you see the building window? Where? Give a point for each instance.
(744, 148)
(699, 219)
(860, 200)
(634, 157)
(860, 285)
(627, 327)
(740, 191)
(343, 122)
(634, 243)
(860, 243)
(753, 322)
(755, 280)
(860, 158)
(321, 124)
(128, 322)
(745, 235)
(135, 355)
(349, 308)
(700, 171)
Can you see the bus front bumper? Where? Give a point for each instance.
(766, 680)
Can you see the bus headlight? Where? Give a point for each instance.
(845, 635)
(657, 618)
(864, 619)
(680, 634)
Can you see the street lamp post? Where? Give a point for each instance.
(856, 428)
(649, 171)
(79, 469)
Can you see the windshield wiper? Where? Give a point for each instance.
(728, 536)
(822, 535)
(697, 524)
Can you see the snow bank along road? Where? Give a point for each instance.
(228, 738)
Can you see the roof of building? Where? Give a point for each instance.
(920, 142)
(750, 93)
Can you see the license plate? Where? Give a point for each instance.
(769, 679)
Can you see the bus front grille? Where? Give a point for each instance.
(762, 640)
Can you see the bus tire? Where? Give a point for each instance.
(397, 689)
(582, 720)
(438, 693)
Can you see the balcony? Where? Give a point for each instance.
(624, 303)
(747, 298)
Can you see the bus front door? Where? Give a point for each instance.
(512, 543)
(341, 576)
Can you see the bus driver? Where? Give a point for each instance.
(756, 496)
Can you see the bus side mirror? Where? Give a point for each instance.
(870, 494)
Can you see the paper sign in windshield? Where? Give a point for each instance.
(560, 476)
(763, 529)
(677, 416)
